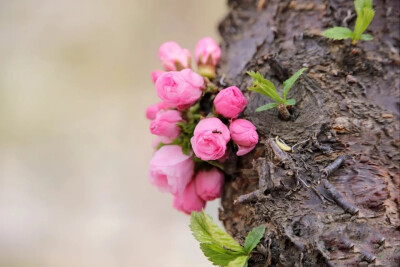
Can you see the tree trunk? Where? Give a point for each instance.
(346, 117)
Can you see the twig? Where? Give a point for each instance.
(263, 170)
(378, 239)
(321, 195)
(299, 143)
(333, 167)
(301, 180)
(345, 243)
(338, 198)
(318, 194)
(367, 256)
(255, 195)
(326, 149)
(279, 154)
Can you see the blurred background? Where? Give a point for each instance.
(74, 141)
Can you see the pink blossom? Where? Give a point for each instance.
(155, 74)
(152, 110)
(192, 78)
(173, 57)
(179, 89)
(209, 184)
(230, 102)
(165, 124)
(171, 170)
(243, 134)
(210, 139)
(189, 201)
(207, 52)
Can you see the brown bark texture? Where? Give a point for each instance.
(334, 200)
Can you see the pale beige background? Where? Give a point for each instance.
(74, 143)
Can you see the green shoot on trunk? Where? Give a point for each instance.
(267, 88)
(365, 14)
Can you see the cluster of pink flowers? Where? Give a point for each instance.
(179, 123)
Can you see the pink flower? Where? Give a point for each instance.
(189, 201)
(230, 102)
(210, 139)
(152, 110)
(165, 124)
(180, 89)
(155, 74)
(209, 184)
(207, 52)
(243, 134)
(173, 57)
(171, 170)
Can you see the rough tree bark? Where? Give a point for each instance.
(347, 110)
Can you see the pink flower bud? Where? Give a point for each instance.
(180, 89)
(189, 201)
(210, 139)
(230, 102)
(155, 74)
(243, 134)
(152, 110)
(171, 170)
(209, 184)
(173, 57)
(165, 124)
(207, 52)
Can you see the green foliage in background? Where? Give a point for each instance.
(365, 14)
(219, 247)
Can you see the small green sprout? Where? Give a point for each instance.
(365, 14)
(266, 87)
(219, 247)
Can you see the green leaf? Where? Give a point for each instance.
(215, 163)
(240, 261)
(267, 107)
(199, 228)
(290, 102)
(369, 14)
(253, 238)
(366, 37)
(289, 82)
(176, 141)
(365, 14)
(187, 128)
(218, 255)
(219, 247)
(186, 146)
(338, 33)
(206, 231)
(264, 86)
(220, 236)
(259, 78)
(359, 5)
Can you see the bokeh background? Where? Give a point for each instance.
(74, 142)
